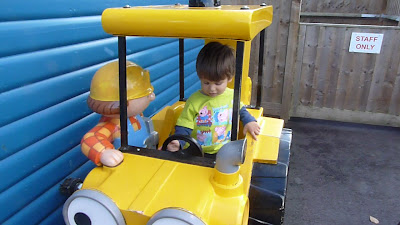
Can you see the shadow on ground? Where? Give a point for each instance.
(343, 173)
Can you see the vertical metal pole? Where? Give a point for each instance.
(122, 92)
(181, 70)
(260, 68)
(237, 90)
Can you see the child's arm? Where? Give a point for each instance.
(173, 146)
(249, 123)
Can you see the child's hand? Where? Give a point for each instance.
(111, 157)
(253, 128)
(173, 146)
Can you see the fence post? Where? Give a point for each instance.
(290, 59)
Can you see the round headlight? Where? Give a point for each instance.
(174, 216)
(89, 207)
(166, 221)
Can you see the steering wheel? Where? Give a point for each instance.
(194, 148)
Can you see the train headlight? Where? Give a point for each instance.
(174, 216)
(89, 207)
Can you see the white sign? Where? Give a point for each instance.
(366, 43)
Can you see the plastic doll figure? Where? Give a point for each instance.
(100, 144)
(207, 113)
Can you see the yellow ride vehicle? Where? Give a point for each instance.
(245, 183)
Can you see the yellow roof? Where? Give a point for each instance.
(180, 21)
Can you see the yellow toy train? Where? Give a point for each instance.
(246, 183)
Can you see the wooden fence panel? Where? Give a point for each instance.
(344, 6)
(393, 8)
(336, 84)
(368, 61)
(309, 71)
(308, 65)
(394, 107)
(334, 60)
(291, 66)
(276, 43)
(384, 74)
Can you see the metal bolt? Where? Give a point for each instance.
(127, 6)
(245, 7)
(263, 4)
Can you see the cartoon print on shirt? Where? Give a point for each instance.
(219, 135)
(221, 115)
(204, 138)
(213, 125)
(204, 118)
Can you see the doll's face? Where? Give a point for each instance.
(137, 106)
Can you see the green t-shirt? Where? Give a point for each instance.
(210, 118)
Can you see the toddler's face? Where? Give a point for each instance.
(214, 88)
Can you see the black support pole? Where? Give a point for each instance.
(181, 70)
(260, 68)
(237, 90)
(122, 92)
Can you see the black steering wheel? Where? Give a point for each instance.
(194, 148)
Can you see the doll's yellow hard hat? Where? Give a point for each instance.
(105, 82)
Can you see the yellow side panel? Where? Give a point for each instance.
(162, 125)
(246, 90)
(256, 113)
(136, 218)
(247, 166)
(225, 22)
(267, 146)
(165, 120)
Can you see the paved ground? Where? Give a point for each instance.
(342, 173)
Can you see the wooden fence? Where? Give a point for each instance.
(388, 7)
(309, 71)
(393, 8)
(345, 6)
(332, 83)
(276, 41)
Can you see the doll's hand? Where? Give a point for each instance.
(173, 146)
(111, 157)
(253, 128)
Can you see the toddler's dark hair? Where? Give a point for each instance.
(215, 62)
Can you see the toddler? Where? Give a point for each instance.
(207, 116)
